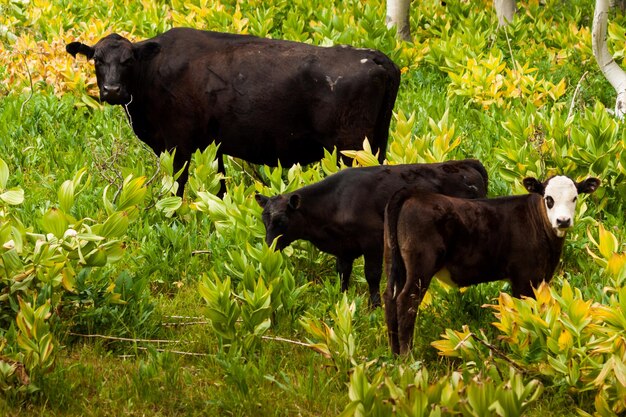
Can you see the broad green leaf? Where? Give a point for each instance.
(66, 195)
(4, 174)
(68, 278)
(115, 226)
(169, 205)
(133, 193)
(55, 222)
(14, 196)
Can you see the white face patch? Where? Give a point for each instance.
(364, 60)
(560, 197)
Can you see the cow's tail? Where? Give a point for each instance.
(383, 121)
(394, 264)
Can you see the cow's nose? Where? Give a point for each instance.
(563, 222)
(111, 88)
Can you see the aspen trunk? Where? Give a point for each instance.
(505, 10)
(613, 73)
(398, 16)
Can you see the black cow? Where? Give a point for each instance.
(469, 242)
(343, 214)
(262, 100)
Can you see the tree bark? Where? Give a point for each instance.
(613, 73)
(398, 16)
(505, 10)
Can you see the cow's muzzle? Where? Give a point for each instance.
(113, 94)
(563, 223)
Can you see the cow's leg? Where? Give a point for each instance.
(344, 269)
(420, 269)
(396, 279)
(522, 286)
(373, 270)
(394, 284)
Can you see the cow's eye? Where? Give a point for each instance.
(549, 202)
(575, 198)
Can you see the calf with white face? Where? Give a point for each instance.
(559, 194)
(519, 238)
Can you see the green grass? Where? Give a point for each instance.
(45, 139)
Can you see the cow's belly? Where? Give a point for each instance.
(466, 275)
(269, 149)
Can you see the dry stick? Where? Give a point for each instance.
(571, 106)
(183, 323)
(184, 317)
(178, 352)
(198, 252)
(508, 41)
(498, 353)
(281, 339)
(124, 339)
(255, 177)
(30, 79)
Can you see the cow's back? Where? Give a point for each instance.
(367, 190)
(354, 200)
(483, 239)
(267, 100)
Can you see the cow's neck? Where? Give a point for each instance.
(319, 217)
(554, 247)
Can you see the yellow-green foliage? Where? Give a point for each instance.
(527, 99)
(560, 335)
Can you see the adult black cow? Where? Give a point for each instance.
(519, 238)
(262, 100)
(343, 214)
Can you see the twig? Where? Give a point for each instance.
(508, 41)
(184, 323)
(280, 339)
(499, 353)
(199, 252)
(255, 177)
(463, 341)
(124, 339)
(177, 352)
(30, 79)
(184, 317)
(571, 106)
(130, 118)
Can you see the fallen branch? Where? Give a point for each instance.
(198, 252)
(281, 339)
(184, 317)
(184, 323)
(30, 80)
(499, 353)
(177, 352)
(123, 339)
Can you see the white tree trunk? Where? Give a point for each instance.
(613, 73)
(398, 16)
(505, 10)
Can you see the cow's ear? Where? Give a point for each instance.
(261, 199)
(294, 201)
(147, 50)
(74, 48)
(588, 186)
(533, 185)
